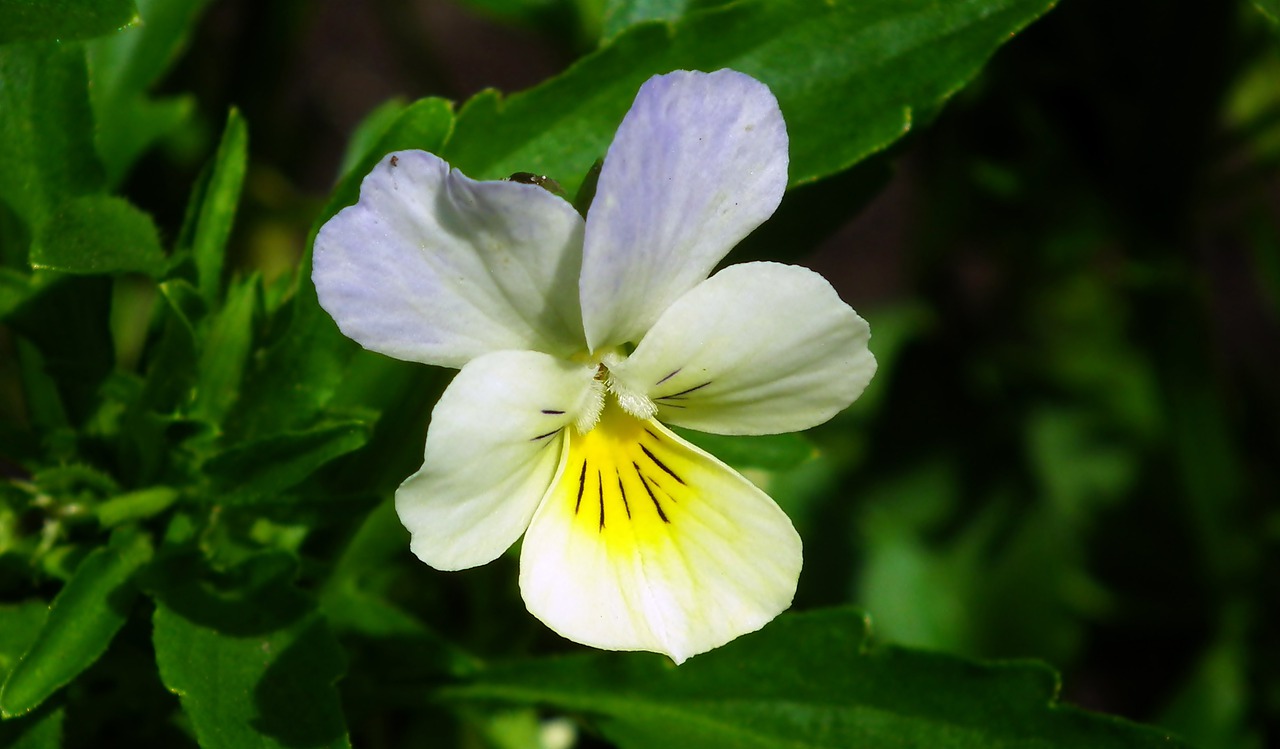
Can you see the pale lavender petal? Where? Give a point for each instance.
(433, 266)
(698, 162)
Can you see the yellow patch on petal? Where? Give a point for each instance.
(644, 542)
(626, 482)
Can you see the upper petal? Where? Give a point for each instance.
(647, 543)
(493, 447)
(699, 161)
(435, 267)
(758, 348)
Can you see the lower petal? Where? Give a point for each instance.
(645, 542)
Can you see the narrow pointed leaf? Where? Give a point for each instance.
(218, 206)
(811, 681)
(83, 619)
(225, 351)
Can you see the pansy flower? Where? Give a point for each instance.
(579, 341)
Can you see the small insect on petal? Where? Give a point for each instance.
(541, 180)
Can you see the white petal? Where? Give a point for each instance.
(435, 267)
(698, 162)
(493, 447)
(647, 543)
(758, 348)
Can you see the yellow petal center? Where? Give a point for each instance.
(625, 480)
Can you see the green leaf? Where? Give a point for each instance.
(1270, 9)
(307, 364)
(41, 730)
(98, 234)
(773, 452)
(254, 666)
(261, 469)
(851, 79)
(83, 619)
(810, 680)
(14, 289)
(123, 67)
(367, 134)
(224, 351)
(218, 206)
(424, 125)
(401, 646)
(46, 129)
(136, 505)
(67, 323)
(63, 20)
(172, 363)
(20, 624)
(619, 14)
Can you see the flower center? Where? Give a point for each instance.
(635, 402)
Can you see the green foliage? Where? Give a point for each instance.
(123, 67)
(46, 134)
(809, 680)
(253, 668)
(82, 619)
(98, 234)
(28, 20)
(1270, 9)
(218, 202)
(894, 63)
